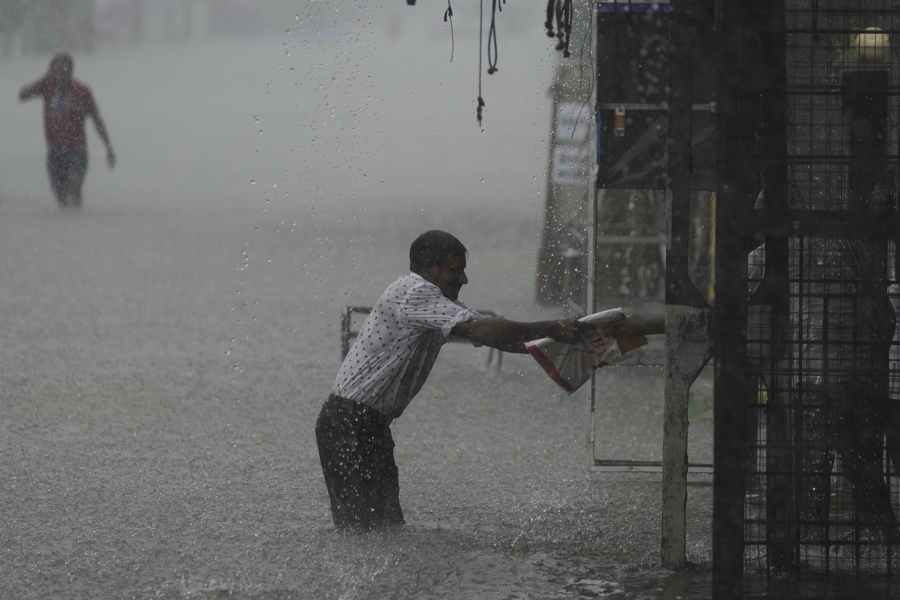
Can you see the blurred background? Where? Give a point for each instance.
(36, 26)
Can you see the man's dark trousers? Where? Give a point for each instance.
(357, 453)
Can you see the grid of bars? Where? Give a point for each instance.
(822, 492)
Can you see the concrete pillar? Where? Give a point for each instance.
(688, 349)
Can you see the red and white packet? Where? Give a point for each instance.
(571, 365)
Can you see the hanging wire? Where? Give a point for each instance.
(563, 25)
(480, 35)
(448, 16)
(562, 11)
(492, 43)
(548, 24)
(559, 25)
(492, 37)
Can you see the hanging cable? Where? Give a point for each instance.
(480, 36)
(562, 9)
(559, 25)
(448, 15)
(565, 27)
(492, 38)
(548, 24)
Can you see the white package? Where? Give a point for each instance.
(571, 365)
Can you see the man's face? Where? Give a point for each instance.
(61, 70)
(449, 276)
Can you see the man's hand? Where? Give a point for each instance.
(573, 331)
(633, 326)
(110, 158)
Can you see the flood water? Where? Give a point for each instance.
(167, 348)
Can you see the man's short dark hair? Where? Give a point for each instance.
(63, 57)
(435, 245)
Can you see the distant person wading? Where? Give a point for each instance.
(67, 103)
(387, 366)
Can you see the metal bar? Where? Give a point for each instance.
(821, 223)
(837, 229)
(595, 196)
(811, 90)
(709, 107)
(627, 239)
(646, 466)
(856, 10)
(832, 31)
(775, 286)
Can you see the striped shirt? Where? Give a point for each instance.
(398, 344)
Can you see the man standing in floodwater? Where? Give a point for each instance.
(388, 365)
(67, 103)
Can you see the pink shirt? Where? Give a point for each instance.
(64, 113)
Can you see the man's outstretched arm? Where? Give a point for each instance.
(510, 336)
(32, 90)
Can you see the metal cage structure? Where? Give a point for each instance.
(807, 401)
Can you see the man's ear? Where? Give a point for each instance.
(427, 270)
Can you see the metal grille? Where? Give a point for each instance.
(839, 60)
(821, 493)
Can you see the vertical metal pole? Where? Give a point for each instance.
(735, 198)
(685, 21)
(594, 197)
(772, 89)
